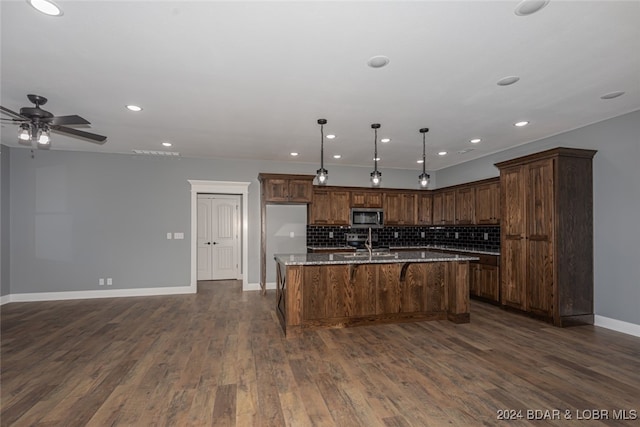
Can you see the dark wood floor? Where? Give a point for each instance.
(220, 358)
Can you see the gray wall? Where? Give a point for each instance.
(79, 216)
(616, 198)
(5, 236)
(281, 221)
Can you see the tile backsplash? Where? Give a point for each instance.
(471, 237)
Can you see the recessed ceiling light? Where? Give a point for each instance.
(612, 95)
(442, 153)
(134, 108)
(46, 7)
(337, 156)
(167, 144)
(294, 154)
(522, 123)
(529, 7)
(385, 140)
(506, 81)
(331, 136)
(475, 140)
(378, 61)
(420, 161)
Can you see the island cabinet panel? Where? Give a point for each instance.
(488, 204)
(340, 295)
(329, 207)
(400, 208)
(366, 199)
(465, 205)
(547, 235)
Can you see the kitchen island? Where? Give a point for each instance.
(348, 289)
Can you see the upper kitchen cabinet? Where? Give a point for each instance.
(465, 205)
(366, 199)
(547, 235)
(400, 208)
(330, 207)
(425, 209)
(444, 207)
(280, 188)
(488, 203)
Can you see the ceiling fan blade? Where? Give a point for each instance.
(92, 137)
(12, 113)
(69, 120)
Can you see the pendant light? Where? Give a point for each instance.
(424, 176)
(376, 176)
(322, 174)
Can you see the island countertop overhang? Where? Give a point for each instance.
(364, 258)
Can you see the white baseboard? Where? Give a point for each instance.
(256, 286)
(106, 293)
(5, 299)
(617, 325)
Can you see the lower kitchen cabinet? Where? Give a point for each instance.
(484, 280)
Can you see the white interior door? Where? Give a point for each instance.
(218, 236)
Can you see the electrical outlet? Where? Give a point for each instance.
(109, 281)
(395, 234)
(331, 234)
(101, 282)
(486, 236)
(422, 234)
(457, 235)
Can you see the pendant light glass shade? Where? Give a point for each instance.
(424, 176)
(44, 136)
(24, 134)
(322, 174)
(376, 176)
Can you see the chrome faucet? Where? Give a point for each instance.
(368, 243)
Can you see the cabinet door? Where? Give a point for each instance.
(276, 190)
(392, 209)
(465, 205)
(425, 209)
(474, 279)
(513, 248)
(320, 208)
(488, 204)
(339, 208)
(366, 199)
(449, 207)
(438, 206)
(540, 237)
(489, 282)
(324, 292)
(300, 190)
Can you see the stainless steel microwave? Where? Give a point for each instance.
(367, 218)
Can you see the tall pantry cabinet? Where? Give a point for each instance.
(547, 235)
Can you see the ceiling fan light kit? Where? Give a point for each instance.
(36, 124)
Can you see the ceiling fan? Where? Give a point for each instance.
(36, 124)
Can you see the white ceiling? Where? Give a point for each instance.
(250, 79)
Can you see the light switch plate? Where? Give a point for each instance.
(292, 234)
(101, 282)
(168, 236)
(109, 281)
(178, 236)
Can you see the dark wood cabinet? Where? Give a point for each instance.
(329, 207)
(425, 209)
(400, 208)
(484, 279)
(488, 204)
(444, 207)
(547, 235)
(278, 188)
(465, 205)
(366, 199)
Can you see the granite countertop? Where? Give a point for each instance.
(364, 258)
(416, 248)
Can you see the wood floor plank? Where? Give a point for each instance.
(219, 357)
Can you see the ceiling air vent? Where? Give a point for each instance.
(466, 150)
(157, 153)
